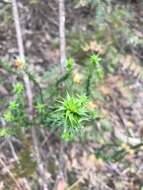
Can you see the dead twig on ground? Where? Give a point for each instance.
(10, 174)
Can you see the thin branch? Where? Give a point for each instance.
(62, 35)
(29, 95)
(76, 183)
(62, 168)
(18, 29)
(22, 57)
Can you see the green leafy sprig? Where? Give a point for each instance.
(73, 112)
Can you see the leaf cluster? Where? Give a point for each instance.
(73, 112)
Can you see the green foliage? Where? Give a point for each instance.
(18, 88)
(70, 113)
(8, 116)
(73, 112)
(94, 68)
(40, 108)
(4, 132)
(16, 114)
(69, 64)
(95, 60)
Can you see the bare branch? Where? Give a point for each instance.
(62, 35)
(22, 57)
(40, 166)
